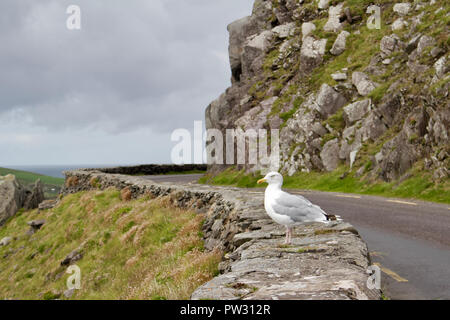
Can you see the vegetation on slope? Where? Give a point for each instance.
(140, 249)
(419, 185)
(51, 185)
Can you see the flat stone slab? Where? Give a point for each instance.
(321, 263)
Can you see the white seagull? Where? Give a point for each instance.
(287, 209)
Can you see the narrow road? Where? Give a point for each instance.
(409, 240)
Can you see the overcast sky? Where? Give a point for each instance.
(113, 91)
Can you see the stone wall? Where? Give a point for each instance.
(323, 262)
(152, 169)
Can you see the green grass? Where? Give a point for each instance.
(336, 121)
(232, 177)
(420, 186)
(140, 249)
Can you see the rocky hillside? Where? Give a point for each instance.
(342, 94)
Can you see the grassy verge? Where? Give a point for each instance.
(141, 249)
(418, 186)
(51, 185)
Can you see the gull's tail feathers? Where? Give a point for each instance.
(332, 217)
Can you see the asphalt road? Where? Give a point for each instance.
(409, 240)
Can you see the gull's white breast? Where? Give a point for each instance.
(269, 200)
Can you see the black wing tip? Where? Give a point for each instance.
(332, 217)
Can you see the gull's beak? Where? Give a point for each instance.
(262, 181)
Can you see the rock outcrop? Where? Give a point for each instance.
(34, 197)
(280, 59)
(12, 197)
(324, 261)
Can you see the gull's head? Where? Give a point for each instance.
(272, 178)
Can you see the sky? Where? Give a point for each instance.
(113, 91)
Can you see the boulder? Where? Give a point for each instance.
(340, 43)
(262, 13)
(328, 101)
(5, 241)
(69, 293)
(441, 67)
(424, 42)
(402, 8)
(438, 127)
(397, 157)
(323, 4)
(390, 107)
(416, 67)
(372, 127)
(412, 43)
(35, 197)
(318, 129)
(260, 41)
(339, 76)
(48, 204)
(256, 117)
(35, 225)
(12, 196)
(398, 24)
(436, 52)
(215, 114)
(353, 155)
(330, 155)
(72, 257)
(334, 13)
(254, 53)
(284, 30)
(239, 31)
(356, 111)
(388, 45)
(307, 29)
(312, 52)
(362, 83)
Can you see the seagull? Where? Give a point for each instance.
(287, 209)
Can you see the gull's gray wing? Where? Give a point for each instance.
(298, 208)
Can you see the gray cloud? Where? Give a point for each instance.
(135, 64)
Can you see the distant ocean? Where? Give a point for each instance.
(57, 171)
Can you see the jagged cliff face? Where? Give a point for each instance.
(341, 93)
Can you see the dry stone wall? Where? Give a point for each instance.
(323, 262)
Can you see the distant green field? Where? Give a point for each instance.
(52, 185)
